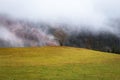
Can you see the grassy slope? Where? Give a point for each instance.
(61, 63)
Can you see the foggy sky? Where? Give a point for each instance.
(91, 12)
(94, 14)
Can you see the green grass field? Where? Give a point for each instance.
(58, 63)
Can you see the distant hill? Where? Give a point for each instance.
(104, 41)
(23, 33)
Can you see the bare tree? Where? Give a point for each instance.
(60, 35)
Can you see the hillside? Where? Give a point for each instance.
(58, 63)
(105, 41)
(24, 33)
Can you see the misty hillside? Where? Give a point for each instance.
(23, 33)
(105, 41)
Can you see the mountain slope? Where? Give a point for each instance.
(62, 63)
(105, 41)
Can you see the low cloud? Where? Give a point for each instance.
(10, 38)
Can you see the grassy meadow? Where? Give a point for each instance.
(58, 63)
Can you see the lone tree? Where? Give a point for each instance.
(60, 35)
